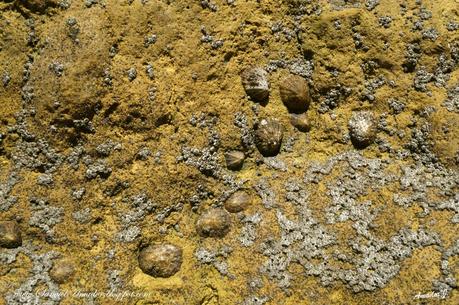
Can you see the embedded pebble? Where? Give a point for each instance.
(234, 159)
(300, 121)
(269, 134)
(214, 222)
(162, 260)
(62, 271)
(238, 202)
(10, 234)
(362, 128)
(256, 84)
(294, 92)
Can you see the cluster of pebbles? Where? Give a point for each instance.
(164, 260)
(10, 237)
(295, 95)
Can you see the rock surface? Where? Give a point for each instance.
(115, 116)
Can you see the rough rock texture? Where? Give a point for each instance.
(115, 116)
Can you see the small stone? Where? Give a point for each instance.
(362, 128)
(300, 121)
(234, 159)
(163, 260)
(294, 92)
(149, 40)
(62, 271)
(73, 29)
(6, 79)
(132, 74)
(256, 84)
(150, 71)
(238, 202)
(214, 222)
(10, 234)
(268, 135)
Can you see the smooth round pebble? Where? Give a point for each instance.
(214, 222)
(238, 202)
(162, 260)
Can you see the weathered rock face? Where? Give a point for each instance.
(117, 117)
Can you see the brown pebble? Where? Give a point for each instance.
(162, 260)
(234, 159)
(256, 84)
(362, 128)
(214, 222)
(62, 271)
(294, 92)
(300, 121)
(10, 234)
(268, 137)
(238, 202)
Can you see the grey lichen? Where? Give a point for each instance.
(452, 101)
(128, 235)
(45, 216)
(45, 180)
(275, 163)
(77, 194)
(82, 216)
(371, 4)
(27, 292)
(247, 138)
(206, 159)
(266, 193)
(98, 169)
(306, 241)
(57, 68)
(144, 153)
(131, 74)
(149, 40)
(249, 230)
(106, 148)
(73, 29)
(216, 258)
